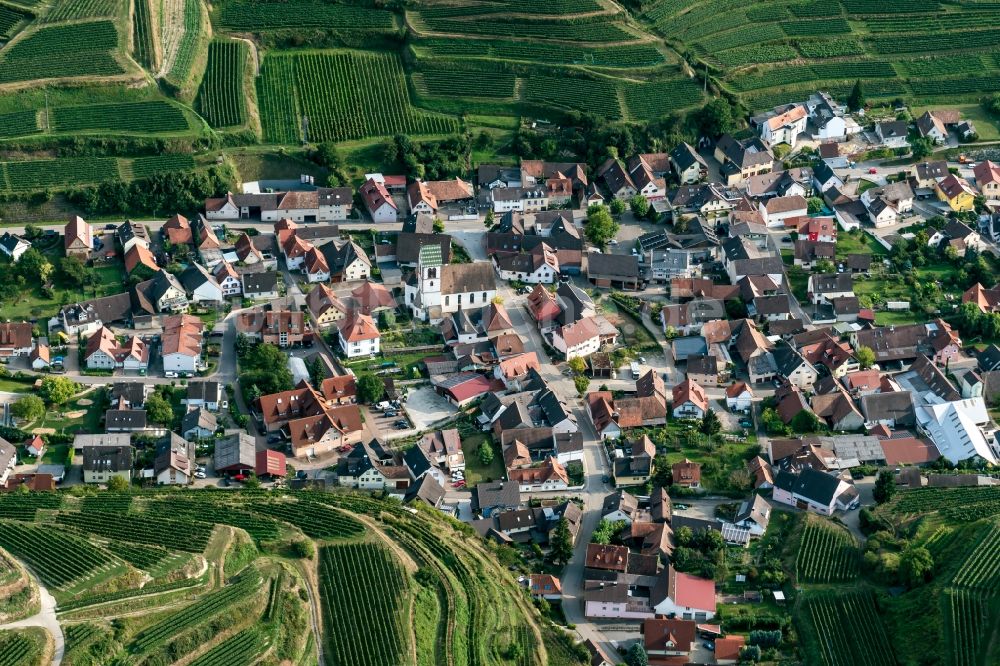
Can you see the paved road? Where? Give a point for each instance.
(46, 619)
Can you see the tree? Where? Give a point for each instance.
(921, 148)
(486, 454)
(34, 265)
(562, 543)
(710, 424)
(916, 566)
(636, 655)
(856, 100)
(490, 219)
(824, 266)
(581, 382)
(438, 226)
(715, 118)
(304, 549)
(773, 425)
(159, 410)
(577, 365)
(805, 421)
(370, 388)
(74, 271)
(117, 484)
(32, 232)
(57, 390)
(29, 408)
(600, 226)
(866, 356)
(617, 207)
(497, 300)
(639, 205)
(815, 205)
(885, 487)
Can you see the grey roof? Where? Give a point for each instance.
(496, 494)
(896, 406)
(614, 265)
(7, 453)
(989, 359)
(260, 283)
(416, 461)
(809, 483)
(195, 276)
(684, 156)
(757, 510)
(235, 451)
(207, 391)
(125, 419)
(199, 418)
(832, 282)
(134, 393)
(426, 489)
(107, 458)
(823, 172)
(9, 241)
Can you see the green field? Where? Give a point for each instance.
(221, 99)
(751, 43)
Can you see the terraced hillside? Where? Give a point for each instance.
(926, 50)
(583, 56)
(235, 578)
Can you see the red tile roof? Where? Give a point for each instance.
(270, 462)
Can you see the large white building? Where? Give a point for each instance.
(956, 427)
(437, 289)
(359, 336)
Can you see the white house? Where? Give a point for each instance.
(689, 400)
(579, 339)
(815, 491)
(201, 285)
(893, 134)
(778, 209)
(739, 397)
(359, 336)
(174, 462)
(539, 266)
(228, 279)
(13, 246)
(753, 515)
(784, 127)
(548, 476)
(378, 201)
(181, 344)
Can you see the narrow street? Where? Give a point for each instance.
(44, 618)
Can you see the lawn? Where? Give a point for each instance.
(403, 361)
(14, 386)
(475, 471)
(987, 126)
(798, 280)
(33, 304)
(82, 414)
(848, 243)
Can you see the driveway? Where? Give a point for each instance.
(46, 619)
(472, 241)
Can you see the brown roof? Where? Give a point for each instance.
(339, 388)
(785, 204)
(15, 334)
(138, 255)
(321, 299)
(608, 557)
(690, 391)
(372, 296)
(728, 648)
(669, 635)
(178, 230)
(449, 190)
(78, 231)
(359, 326)
(579, 332)
(686, 473)
(375, 195)
(736, 389)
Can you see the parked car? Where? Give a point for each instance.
(681, 507)
(170, 374)
(225, 404)
(402, 426)
(873, 170)
(200, 474)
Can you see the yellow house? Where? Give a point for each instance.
(324, 306)
(957, 192)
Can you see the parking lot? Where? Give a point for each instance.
(426, 407)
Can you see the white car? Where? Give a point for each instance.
(169, 374)
(225, 404)
(200, 474)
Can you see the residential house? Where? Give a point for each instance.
(742, 159)
(753, 515)
(578, 339)
(174, 463)
(281, 328)
(635, 468)
(689, 400)
(784, 126)
(687, 164)
(892, 134)
(824, 287)
(828, 117)
(902, 344)
(544, 586)
(686, 474)
(540, 265)
(201, 285)
(235, 454)
(807, 252)
(181, 344)
(493, 497)
(930, 127)
(78, 238)
(762, 473)
(378, 201)
(892, 409)
(101, 463)
(199, 423)
(815, 491)
(956, 192)
(131, 233)
(359, 336)
(139, 258)
(824, 176)
(703, 370)
(987, 175)
(13, 245)
(665, 638)
(739, 397)
(777, 210)
(261, 285)
(346, 262)
(794, 367)
(206, 394)
(837, 410)
(15, 339)
(177, 231)
(927, 174)
(547, 476)
(103, 352)
(228, 279)
(325, 307)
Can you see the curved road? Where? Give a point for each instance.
(45, 618)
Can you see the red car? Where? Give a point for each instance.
(240, 477)
(873, 170)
